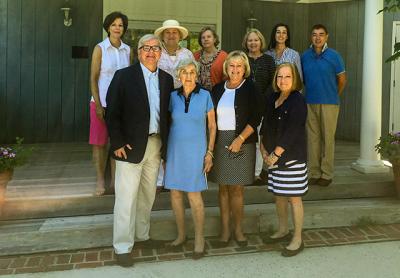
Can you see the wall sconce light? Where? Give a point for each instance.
(251, 21)
(67, 19)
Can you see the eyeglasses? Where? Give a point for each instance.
(147, 48)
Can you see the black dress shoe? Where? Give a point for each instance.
(290, 253)
(284, 238)
(324, 182)
(124, 260)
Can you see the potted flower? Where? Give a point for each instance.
(11, 157)
(389, 148)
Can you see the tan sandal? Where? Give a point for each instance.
(100, 191)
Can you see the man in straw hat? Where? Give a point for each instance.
(170, 33)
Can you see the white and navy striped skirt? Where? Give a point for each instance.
(232, 168)
(289, 180)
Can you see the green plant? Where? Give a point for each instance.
(13, 156)
(364, 221)
(389, 147)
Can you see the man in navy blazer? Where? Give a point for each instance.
(137, 121)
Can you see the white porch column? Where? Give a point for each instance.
(371, 109)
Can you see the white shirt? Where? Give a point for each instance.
(169, 63)
(226, 119)
(153, 93)
(112, 59)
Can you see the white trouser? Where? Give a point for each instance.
(135, 191)
(259, 160)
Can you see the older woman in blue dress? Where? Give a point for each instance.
(279, 47)
(189, 155)
(283, 147)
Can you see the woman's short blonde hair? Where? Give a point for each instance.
(258, 33)
(237, 54)
(297, 85)
(184, 63)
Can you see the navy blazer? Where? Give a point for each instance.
(248, 107)
(285, 126)
(128, 111)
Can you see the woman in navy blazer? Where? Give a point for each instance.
(283, 148)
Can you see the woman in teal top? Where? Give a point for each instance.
(189, 155)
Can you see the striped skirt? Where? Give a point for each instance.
(289, 180)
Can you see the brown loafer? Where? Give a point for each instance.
(313, 181)
(290, 253)
(324, 182)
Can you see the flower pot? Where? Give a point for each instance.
(396, 175)
(5, 177)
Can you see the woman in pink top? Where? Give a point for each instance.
(108, 56)
(211, 59)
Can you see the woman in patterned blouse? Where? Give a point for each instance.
(210, 58)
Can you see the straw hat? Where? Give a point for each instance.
(172, 24)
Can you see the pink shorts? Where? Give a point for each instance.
(98, 129)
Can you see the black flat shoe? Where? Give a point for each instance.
(175, 248)
(198, 255)
(242, 243)
(284, 238)
(220, 243)
(290, 253)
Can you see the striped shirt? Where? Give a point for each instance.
(288, 56)
(262, 73)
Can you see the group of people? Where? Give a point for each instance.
(178, 119)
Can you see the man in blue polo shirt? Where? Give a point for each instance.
(324, 79)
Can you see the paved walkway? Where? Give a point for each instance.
(369, 260)
(92, 258)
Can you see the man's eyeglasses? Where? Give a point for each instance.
(147, 48)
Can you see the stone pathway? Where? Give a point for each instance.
(90, 258)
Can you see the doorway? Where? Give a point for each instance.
(395, 85)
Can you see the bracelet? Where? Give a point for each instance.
(210, 153)
(278, 156)
(241, 137)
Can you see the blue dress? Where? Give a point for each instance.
(187, 141)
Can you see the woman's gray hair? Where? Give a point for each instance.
(186, 62)
(146, 38)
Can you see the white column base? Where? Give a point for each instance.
(370, 166)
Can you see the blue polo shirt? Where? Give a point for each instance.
(320, 73)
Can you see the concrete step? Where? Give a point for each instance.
(44, 203)
(79, 232)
